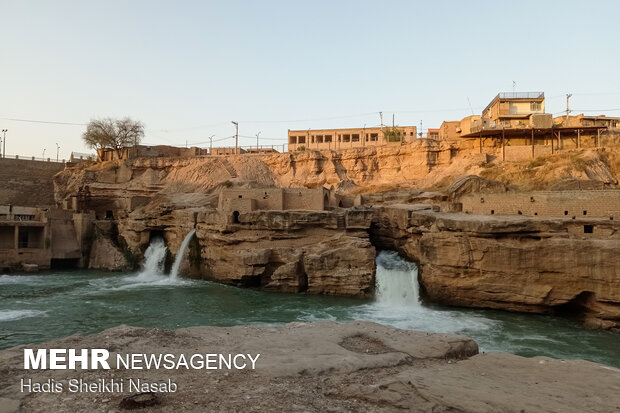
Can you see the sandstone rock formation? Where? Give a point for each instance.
(520, 264)
(323, 252)
(325, 366)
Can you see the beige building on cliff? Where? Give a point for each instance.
(515, 126)
(333, 139)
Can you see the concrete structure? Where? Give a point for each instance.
(581, 120)
(143, 151)
(516, 110)
(27, 182)
(328, 139)
(45, 238)
(579, 204)
(433, 133)
(228, 151)
(246, 200)
(516, 127)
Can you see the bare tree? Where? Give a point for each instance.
(113, 133)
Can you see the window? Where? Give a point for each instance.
(312, 139)
(374, 137)
(346, 138)
(328, 138)
(319, 138)
(535, 106)
(301, 139)
(292, 140)
(355, 137)
(588, 229)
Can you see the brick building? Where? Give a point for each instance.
(333, 139)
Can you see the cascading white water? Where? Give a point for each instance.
(174, 273)
(154, 258)
(396, 281)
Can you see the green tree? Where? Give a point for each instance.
(113, 134)
(392, 134)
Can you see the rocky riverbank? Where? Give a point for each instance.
(528, 264)
(321, 366)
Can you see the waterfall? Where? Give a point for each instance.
(155, 256)
(396, 281)
(174, 273)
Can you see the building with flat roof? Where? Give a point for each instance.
(334, 139)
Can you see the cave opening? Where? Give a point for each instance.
(235, 217)
(576, 307)
(156, 233)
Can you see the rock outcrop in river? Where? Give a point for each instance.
(538, 265)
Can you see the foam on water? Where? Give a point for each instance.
(152, 273)
(19, 279)
(397, 302)
(12, 315)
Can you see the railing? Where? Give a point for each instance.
(32, 158)
(521, 95)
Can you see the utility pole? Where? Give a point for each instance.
(43, 153)
(257, 141)
(392, 120)
(57, 150)
(420, 134)
(236, 136)
(381, 127)
(568, 95)
(4, 131)
(364, 136)
(513, 87)
(211, 144)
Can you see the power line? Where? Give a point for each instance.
(44, 121)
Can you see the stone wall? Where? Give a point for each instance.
(273, 199)
(27, 183)
(521, 153)
(604, 204)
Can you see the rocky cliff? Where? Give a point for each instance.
(530, 264)
(320, 252)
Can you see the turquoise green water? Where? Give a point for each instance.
(35, 308)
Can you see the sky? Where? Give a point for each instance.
(186, 69)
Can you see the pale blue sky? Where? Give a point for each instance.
(187, 68)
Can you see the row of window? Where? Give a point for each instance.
(355, 137)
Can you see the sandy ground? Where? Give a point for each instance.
(318, 367)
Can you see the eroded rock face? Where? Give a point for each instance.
(511, 263)
(320, 252)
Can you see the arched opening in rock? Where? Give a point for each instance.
(235, 217)
(325, 201)
(340, 204)
(156, 233)
(576, 307)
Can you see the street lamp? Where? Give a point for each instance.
(236, 134)
(57, 150)
(4, 131)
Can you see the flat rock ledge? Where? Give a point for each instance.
(320, 367)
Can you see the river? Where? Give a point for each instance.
(36, 308)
